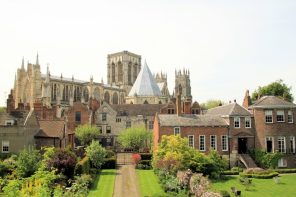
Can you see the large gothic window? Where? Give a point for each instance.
(135, 72)
(122, 101)
(115, 98)
(113, 72)
(107, 97)
(54, 92)
(85, 94)
(77, 94)
(120, 72)
(129, 73)
(97, 94)
(66, 93)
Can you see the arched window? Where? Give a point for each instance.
(67, 93)
(122, 100)
(107, 97)
(115, 98)
(97, 94)
(120, 72)
(85, 94)
(113, 72)
(54, 98)
(135, 72)
(129, 73)
(77, 94)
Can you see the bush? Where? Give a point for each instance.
(236, 169)
(264, 159)
(96, 154)
(230, 172)
(136, 158)
(283, 171)
(224, 193)
(28, 162)
(145, 162)
(83, 166)
(110, 153)
(109, 163)
(146, 156)
(259, 176)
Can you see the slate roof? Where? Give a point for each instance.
(145, 84)
(137, 109)
(272, 102)
(191, 120)
(51, 128)
(232, 109)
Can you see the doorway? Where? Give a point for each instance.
(242, 145)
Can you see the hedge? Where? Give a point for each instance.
(145, 162)
(259, 176)
(146, 156)
(282, 171)
(109, 163)
(230, 172)
(83, 166)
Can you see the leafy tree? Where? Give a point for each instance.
(135, 137)
(277, 88)
(96, 153)
(86, 133)
(2, 109)
(211, 104)
(28, 162)
(64, 161)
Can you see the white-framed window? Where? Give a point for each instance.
(280, 116)
(202, 143)
(268, 116)
(151, 124)
(236, 122)
(269, 144)
(191, 140)
(213, 142)
(282, 144)
(224, 142)
(292, 144)
(290, 116)
(248, 122)
(282, 162)
(5, 146)
(177, 131)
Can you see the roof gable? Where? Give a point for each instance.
(272, 102)
(232, 109)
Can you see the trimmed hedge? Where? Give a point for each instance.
(145, 162)
(283, 171)
(259, 176)
(146, 156)
(230, 172)
(83, 166)
(110, 163)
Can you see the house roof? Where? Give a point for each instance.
(145, 84)
(191, 120)
(232, 109)
(137, 109)
(51, 128)
(272, 102)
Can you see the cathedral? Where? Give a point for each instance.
(128, 82)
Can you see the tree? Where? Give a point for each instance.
(96, 154)
(277, 88)
(211, 104)
(135, 137)
(28, 162)
(86, 133)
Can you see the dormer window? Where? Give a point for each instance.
(9, 122)
(280, 116)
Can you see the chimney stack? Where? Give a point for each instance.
(247, 100)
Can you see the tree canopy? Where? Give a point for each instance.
(96, 153)
(211, 103)
(277, 88)
(86, 133)
(135, 137)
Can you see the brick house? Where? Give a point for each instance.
(275, 127)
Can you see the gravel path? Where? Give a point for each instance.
(126, 184)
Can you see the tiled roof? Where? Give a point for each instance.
(272, 102)
(137, 109)
(145, 84)
(5, 116)
(51, 128)
(232, 109)
(191, 120)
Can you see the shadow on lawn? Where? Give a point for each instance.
(223, 179)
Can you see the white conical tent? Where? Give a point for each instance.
(145, 84)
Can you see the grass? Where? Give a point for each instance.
(104, 184)
(262, 187)
(148, 184)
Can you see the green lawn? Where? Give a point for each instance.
(148, 183)
(104, 184)
(262, 187)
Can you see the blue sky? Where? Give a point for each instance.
(229, 46)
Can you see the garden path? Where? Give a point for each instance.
(126, 184)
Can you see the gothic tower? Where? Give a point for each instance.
(123, 69)
(183, 79)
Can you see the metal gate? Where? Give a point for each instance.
(124, 158)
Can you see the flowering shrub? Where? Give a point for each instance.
(136, 158)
